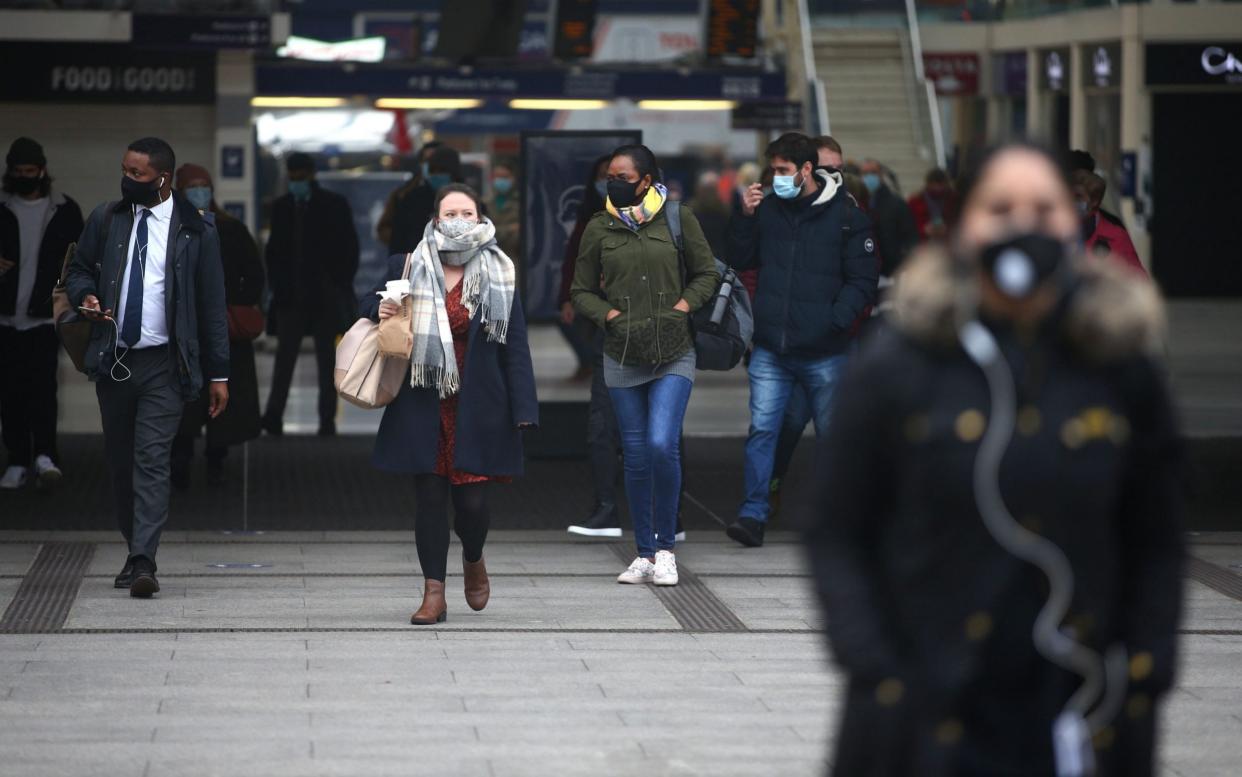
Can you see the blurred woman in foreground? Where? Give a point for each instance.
(1011, 421)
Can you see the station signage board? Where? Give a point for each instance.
(782, 115)
(1054, 69)
(106, 73)
(314, 79)
(954, 74)
(1102, 65)
(193, 31)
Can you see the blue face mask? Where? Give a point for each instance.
(871, 181)
(783, 186)
(199, 197)
(301, 190)
(436, 180)
(502, 185)
(601, 186)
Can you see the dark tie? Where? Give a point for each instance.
(131, 327)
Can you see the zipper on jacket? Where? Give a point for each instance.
(626, 349)
(793, 257)
(659, 350)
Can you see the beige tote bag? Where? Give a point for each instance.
(364, 377)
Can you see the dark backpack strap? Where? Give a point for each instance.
(672, 212)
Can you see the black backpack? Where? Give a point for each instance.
(723, 327)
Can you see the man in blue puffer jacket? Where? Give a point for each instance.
(817, 272)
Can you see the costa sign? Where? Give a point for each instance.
(1194, 64)
(1218, 62)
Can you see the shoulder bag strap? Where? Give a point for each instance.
(672, 212)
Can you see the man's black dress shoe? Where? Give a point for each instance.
(126, 577)
(144, 583)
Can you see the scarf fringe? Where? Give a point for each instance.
(445, 382)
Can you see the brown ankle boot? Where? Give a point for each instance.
(478, 587)
(433, 610)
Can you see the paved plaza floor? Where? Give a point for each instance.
(291, 654)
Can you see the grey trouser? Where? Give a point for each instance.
(140, 418)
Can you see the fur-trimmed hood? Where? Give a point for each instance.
(1113, 313)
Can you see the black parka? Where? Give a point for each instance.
(928, 614)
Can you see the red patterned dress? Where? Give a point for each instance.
(459, 325)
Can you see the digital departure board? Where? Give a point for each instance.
(574, 29)
(732, 28)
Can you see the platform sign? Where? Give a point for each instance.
(777, 115)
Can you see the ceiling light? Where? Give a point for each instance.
(687, 105)
(557, 105)
(427, 103)
(297, 102)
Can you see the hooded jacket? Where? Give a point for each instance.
(198, 330)
(817, 268)
(926, 612)
(62, 227)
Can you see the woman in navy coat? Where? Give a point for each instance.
(456, 424)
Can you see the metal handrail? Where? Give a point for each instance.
(933, 109)
(814, 87)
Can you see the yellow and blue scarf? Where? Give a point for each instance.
(645, 210)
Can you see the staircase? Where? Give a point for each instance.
(875, 109)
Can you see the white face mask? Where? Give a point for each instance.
(455, 227)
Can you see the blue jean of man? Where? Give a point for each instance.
(649, 418)
(773, 378)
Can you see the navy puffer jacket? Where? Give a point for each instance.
(818, 268)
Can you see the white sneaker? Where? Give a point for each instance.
(14, 478)
(47, 472)
(665, 568)
(640, 571)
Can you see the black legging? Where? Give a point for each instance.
(431, 535)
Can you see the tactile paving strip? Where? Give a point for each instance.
(691, 602)
(1214, 577)
(48, 590)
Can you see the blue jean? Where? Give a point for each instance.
(649, 418)
(773, 378)
(797, 416)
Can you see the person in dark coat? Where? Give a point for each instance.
(456, 424)
(895, 230)
(243, 287)
(312, 257)
(415, 206)
(930, 609)
(817, 274)
(37, 226)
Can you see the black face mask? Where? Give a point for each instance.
(140, 193)
(1020, 264)
(21, 185)
(623, 194)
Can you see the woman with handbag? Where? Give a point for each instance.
(456, 423)
(243, 287)
(632, 282)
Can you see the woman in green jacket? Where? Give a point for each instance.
(631, 282)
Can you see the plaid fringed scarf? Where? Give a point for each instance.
(635, 216)
(488, 286)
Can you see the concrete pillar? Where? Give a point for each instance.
(1033, 104)
(234, 89)
(1135, 124)
(1078, 99)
